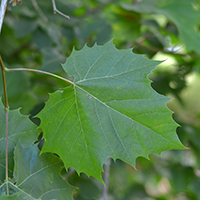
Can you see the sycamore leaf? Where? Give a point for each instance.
(181, 13)
(20, 128)
(38, 177)
(110, 110)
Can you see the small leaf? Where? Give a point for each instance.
(109, 111)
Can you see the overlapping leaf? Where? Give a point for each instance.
(16, 196)
(20, 128)
(181, 13)
(109, 110)
(38, 177)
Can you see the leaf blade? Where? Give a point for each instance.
(102, 114)
(37, 176)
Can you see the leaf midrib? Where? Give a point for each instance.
(134, 121)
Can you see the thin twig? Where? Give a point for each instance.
(6, 110)
(154, 49)
(2, 12)
(39, 71)
(41, 14)
(55, 10)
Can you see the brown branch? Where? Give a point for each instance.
(41, 14)
(3, 69)
(154, 49)
(55, 10)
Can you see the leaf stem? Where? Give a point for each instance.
(7, 186)
(3, 69)
(39, 71)
(155, 49)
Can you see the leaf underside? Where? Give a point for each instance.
(110, 110)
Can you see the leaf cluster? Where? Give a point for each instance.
(110, 110)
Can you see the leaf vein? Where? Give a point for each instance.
(37, 172)
(117, 134)
(94, 64)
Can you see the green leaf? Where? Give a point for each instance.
(20, 128)
(24, 27)
(181, 13)
(109, 111)
(16, 196)
(126, 24)
(39, 176)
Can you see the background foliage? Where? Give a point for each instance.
(159, 29)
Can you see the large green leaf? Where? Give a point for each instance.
(38, 177)
(20, 128)
(181, 13)
(110, 110)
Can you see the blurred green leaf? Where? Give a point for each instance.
(181, 13)
(126, 24)
(23, 27)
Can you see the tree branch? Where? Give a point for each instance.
(57, 11)
(37, 8)
(3, 69)
(154, 49)
(2, 12)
